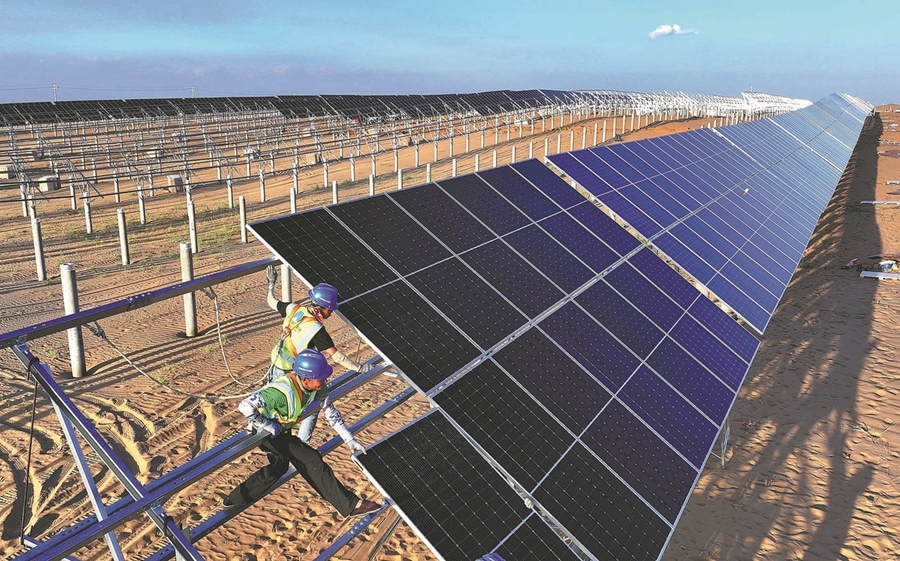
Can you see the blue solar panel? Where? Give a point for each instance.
(396, 320)
(709, 349)
(680, 423)
(767, 178)
(608, 174)
(621, 318)
(697, 384)
(615, 162)
(627, 530)
(648, 155)
(645, 296)
(327, 250)
(443, 217)
(665, 277)
(548, 183)
(514, 429)
(642, 168)
(657, 212)
(580, 241)
(579, 364)
(595, 348)
(663, 152)
(394, 235)
(653, 469)
(520, 192)
(631, 214)
(533, 361)
(607, 230)
(582, 174)
(442, 284)
(665, 198)
(522, 284)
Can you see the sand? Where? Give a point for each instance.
(807, 473)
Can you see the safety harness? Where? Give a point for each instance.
(298, 329)
(295, 396)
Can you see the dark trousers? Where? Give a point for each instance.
(287, 449)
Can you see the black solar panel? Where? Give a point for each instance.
(451, 496)
(580, 364)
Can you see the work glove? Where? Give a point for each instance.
(269, 426)
(271, 275)
(365, 367)
(355, 446)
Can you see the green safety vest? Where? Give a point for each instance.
(297, 399)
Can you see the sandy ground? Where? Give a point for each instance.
(807, 474)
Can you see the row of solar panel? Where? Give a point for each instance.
(734, 207)
(588, 373)
(591, 369)
(354, 106)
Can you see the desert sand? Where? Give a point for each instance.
(807, 473)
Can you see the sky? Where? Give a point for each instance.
(115, 49)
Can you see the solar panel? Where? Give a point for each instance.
(588, 373)
(734, 207)
(457, 503)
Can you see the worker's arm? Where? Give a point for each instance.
(340, 358)
(271, 277)
(336, 420)
(249, 407)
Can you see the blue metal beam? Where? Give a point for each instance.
(90, 434)
(159, 490)
(128, 304)
(223, 516)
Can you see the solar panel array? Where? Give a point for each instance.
(290, 106)
(568, 355)
(734, 207)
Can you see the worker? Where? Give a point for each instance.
(303, 328)
(275, 409)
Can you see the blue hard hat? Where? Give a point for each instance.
(312, 364)
(325, 295)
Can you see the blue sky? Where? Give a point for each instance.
(102, 49)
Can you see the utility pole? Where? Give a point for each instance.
(54, 92)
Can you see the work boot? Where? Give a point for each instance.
(364, 507)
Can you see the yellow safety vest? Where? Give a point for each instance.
(299, 327)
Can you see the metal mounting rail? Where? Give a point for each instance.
(128, 304)
(149, 498)
(223, 516)
(89, 433)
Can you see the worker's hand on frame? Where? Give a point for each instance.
(365, 367)
(270, 427)
(271, 275)
(355, 446)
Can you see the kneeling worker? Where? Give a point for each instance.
(275, 408)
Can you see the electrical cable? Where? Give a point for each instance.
(211, 294)
(212, 398)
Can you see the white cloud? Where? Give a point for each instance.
(673, 29)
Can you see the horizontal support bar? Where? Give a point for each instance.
(128, 304)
